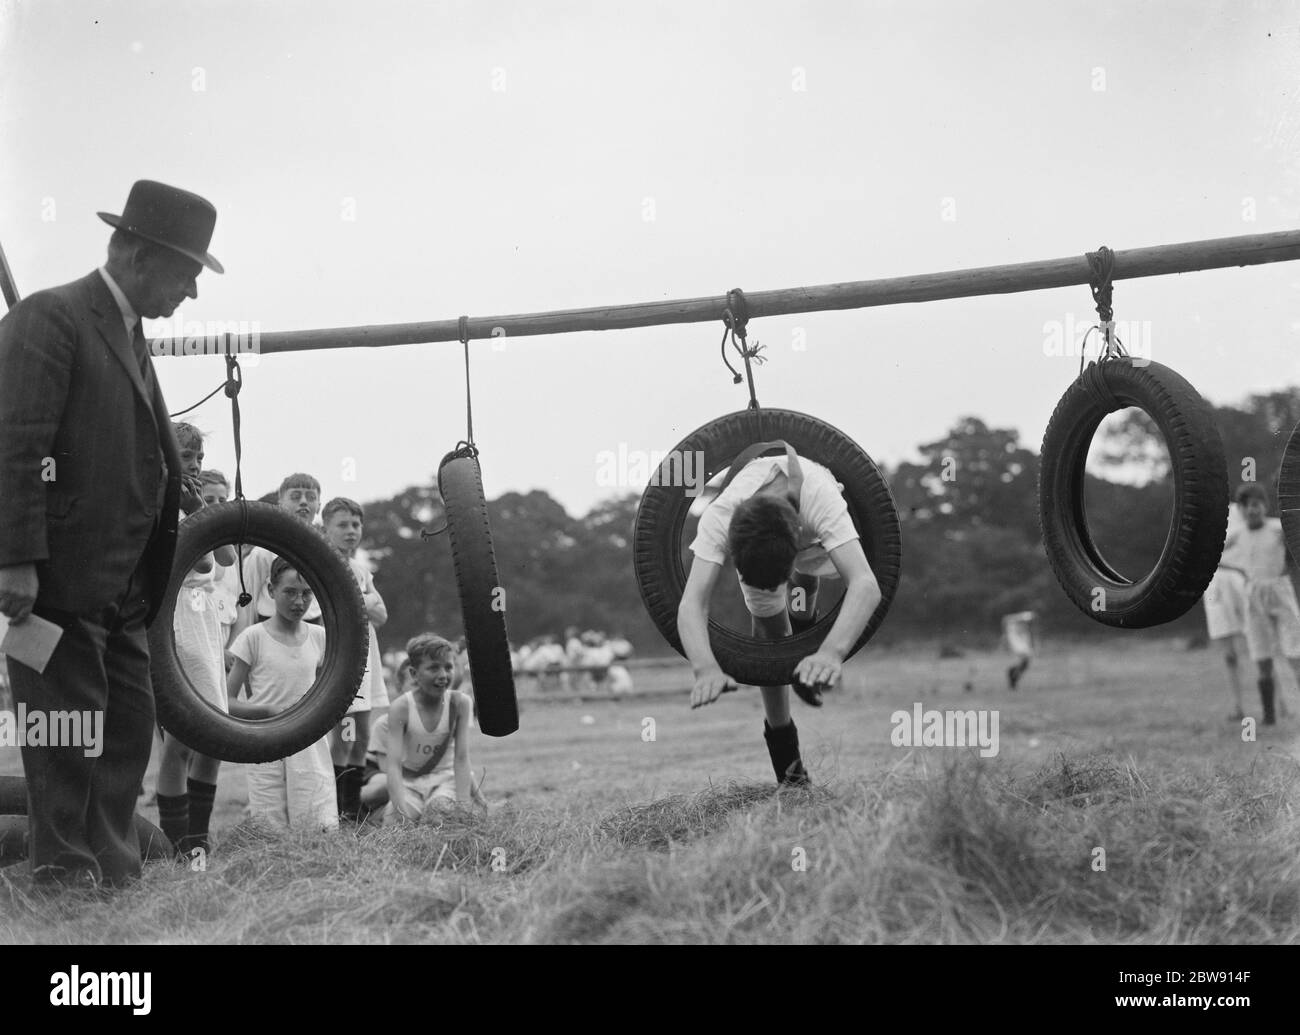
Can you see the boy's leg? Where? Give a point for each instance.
(1233, 648)
(309, 785)
(173, 794)
(349, 739)
(440, 799)
(1288, 625)
(1261, 639)
(779, 730)
(268, 793)
(202, 789)
(1266, 688)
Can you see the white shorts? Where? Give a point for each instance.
(1225, 604)
(295, 792)
(764, 603)
(432, 791)
(1272, 619)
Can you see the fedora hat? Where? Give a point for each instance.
(171, 217)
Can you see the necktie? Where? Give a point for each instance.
(141, 349)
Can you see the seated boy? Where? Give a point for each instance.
(781, 519)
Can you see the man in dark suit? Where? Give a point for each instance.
(90, 486)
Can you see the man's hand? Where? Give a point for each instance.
(18, 588)
(710, 685)
(191, 494)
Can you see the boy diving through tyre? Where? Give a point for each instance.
(781, 519)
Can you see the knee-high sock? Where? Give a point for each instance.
(174, 816)
(783, 747)
(1266, 697)
(202, 795)
(349, 784)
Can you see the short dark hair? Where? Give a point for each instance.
(299, 481)
(187, 435)
(341, 503)
(428, 645)
(763, 540)
(278, 567)
(1251, 490)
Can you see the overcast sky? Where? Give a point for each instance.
(383, 162)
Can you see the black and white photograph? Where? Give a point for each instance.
(663, 474)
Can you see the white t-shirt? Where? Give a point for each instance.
(279, 673)
(823, 514)
(1017, 627)
(374, 675)
(1261, 552)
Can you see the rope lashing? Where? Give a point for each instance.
(465, 448)
(1094, 381)
(1102, 264)
(735, 318)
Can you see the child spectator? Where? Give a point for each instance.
(279, 659)
(428, 764)
(348, 741)
(1018, 633)
(225, 580)
(187, 780)
(1225, 612)
(1272, 612)
(300, 496)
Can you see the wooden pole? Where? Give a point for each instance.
(7, 286)
(1247, 250)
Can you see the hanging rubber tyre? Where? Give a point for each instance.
(1200, 522)
(661, 516)
(1288, 493)
(203, 727)
(482, 599)
(14, 848)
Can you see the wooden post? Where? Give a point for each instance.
(7, 286)
(1248, 250)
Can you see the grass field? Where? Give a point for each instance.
(599, 834)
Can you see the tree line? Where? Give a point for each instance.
(968, 508)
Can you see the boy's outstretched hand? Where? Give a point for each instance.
(815, 673)
(820, 669)
(710, 685)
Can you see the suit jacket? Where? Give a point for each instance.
(82, 446)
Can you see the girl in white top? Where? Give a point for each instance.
(1272, 612)
(279, 660)
(428, 762)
